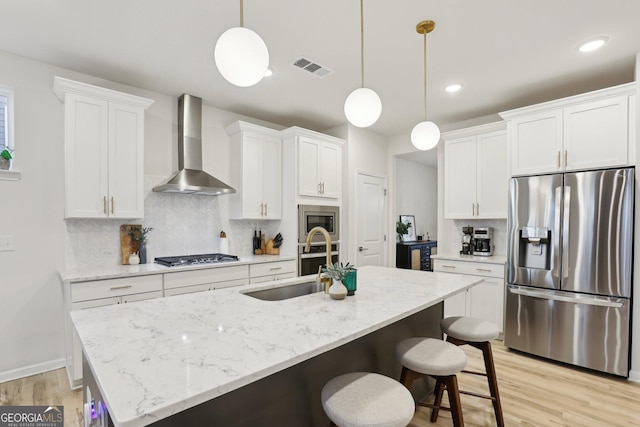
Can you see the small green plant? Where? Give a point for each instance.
(402, 228)
(139, 234)
(339, 271)
(6, 153)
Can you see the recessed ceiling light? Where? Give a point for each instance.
(453, 87)
(269, 72)
(593, 44)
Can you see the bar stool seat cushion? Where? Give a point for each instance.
(431, 356)
(360, 399)
(469, 328)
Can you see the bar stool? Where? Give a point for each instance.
(364, 399)
(439, 360)
(477, 333)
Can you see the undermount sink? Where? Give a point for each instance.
(286, 292)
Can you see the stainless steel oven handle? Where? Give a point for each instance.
(317, 254)
(587, 300)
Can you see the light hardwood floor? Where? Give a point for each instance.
(534, 393)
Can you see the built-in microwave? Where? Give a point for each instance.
(310, 216)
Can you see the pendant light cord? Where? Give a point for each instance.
(362, 42)
(242, 13)
(425, 76)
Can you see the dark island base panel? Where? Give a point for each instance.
(291, 398)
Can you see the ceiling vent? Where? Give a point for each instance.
(315, 69)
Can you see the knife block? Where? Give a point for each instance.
(270, 250)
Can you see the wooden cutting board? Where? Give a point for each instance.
(127, 244)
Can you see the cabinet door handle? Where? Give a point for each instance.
(473, 209)
(114, 288)
(565, 158)
(266, 212)
(319, 188)
(104, 204)
(261, 209)
(558, 159)
(477, 209)
(113, 206)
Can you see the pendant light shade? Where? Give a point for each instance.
(425, 135)
(363, 106)
(241, 55)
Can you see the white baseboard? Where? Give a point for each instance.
(27, 371)
(634, 376)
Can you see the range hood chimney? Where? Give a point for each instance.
(190, 178)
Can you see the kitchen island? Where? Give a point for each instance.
(225, 358)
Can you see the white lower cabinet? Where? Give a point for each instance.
(207, 279)
(268, 271)
(100, 293)
(484, 300)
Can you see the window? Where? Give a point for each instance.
(6, 118)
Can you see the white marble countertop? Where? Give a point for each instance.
(115, 271)
(154, 358)
(493, 259)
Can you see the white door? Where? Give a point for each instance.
(492, 184)
(460, 178)
(371, 208)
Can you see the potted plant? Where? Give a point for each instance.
(140, 235)
(340, 273)
(402, 228)
(5, 158)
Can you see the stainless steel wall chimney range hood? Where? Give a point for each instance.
(190, 178)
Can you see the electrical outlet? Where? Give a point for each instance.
(107, 252)
(7, 243)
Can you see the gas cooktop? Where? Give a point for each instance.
(174, 261)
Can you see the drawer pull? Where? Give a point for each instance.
(449, 266)
(275, 268)
(484, 269)
(115, 288)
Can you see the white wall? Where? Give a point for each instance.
(32, 210)
(416, 194)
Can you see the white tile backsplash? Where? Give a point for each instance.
(183, 224)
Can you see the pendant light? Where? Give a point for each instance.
(425, 135)
(363, 106)
(241, 55)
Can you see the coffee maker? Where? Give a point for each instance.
(482, 241)
(467, 241)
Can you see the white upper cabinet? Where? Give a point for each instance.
(104, 151)
(476, 172)
(256, 172)
(318, 163)
(586, 131)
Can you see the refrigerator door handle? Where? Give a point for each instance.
(578, 299)
(555, 272)
(565, 231)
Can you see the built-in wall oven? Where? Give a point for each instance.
(310, 216)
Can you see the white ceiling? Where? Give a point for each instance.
(507, 53)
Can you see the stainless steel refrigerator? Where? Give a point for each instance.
(569, 267)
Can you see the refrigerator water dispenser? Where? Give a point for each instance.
(535, 251)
